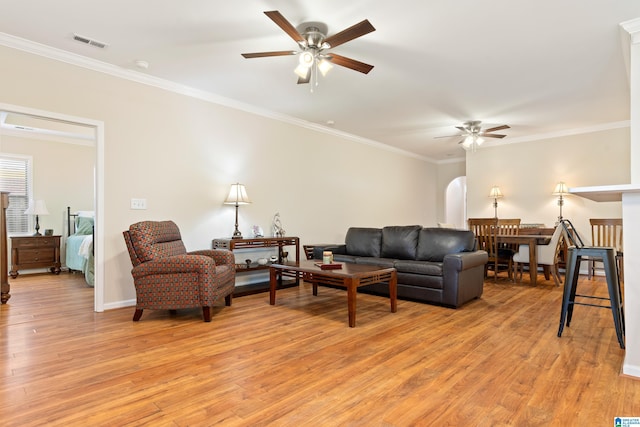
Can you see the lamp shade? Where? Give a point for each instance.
(39, 207)
(561, 188)
(495, 192)
(237, 195)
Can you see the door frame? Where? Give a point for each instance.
(98, 289)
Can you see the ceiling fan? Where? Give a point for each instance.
(314, 44)
(473, 135)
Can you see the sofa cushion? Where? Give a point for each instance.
(435, 243)
(362, 241)
(379, 262)
(419, 267)
(400, 241)
(344, 258)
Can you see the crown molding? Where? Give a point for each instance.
(138, 77)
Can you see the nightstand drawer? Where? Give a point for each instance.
(30, 242)
(26, 256)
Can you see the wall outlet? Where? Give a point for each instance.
(138, 203)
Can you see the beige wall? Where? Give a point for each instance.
(182, 154)
(528, 172)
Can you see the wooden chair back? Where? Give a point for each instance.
(511, 227)
(485, 230)
(606, 232)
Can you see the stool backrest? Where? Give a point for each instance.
(571, 234)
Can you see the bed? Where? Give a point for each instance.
(79, 243)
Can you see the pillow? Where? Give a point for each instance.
(84, 226)
(89, 214)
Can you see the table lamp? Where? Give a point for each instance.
(560, 190)
(237, 196)
(495, 194)
(38, 208)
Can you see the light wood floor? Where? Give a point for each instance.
(494, 362)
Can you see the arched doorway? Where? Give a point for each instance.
(455, 202)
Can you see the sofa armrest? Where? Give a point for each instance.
(463, 277)
(464, 260)
(336, 248)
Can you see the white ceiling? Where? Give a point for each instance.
(543, 67)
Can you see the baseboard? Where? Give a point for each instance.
(631, 370)
(120, 304)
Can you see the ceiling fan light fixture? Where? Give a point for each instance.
(472, 142)
(306, 59)
(301, 71)
(324, 66)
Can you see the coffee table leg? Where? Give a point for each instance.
(352, 286)
(273, 282)
(393, 291)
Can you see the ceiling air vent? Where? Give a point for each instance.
(90, 42)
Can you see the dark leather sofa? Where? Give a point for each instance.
(435, 265)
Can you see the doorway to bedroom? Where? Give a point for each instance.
(65, 156)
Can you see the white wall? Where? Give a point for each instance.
(447, 172)
(182, 154)
(528, 172)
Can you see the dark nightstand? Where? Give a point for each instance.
(35, 252)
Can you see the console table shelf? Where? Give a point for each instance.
(260, 243)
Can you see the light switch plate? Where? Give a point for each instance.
(138, 203)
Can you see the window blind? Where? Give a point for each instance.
(15, 175)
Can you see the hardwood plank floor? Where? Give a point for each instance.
(494, 362)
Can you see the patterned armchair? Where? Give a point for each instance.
(168, 277)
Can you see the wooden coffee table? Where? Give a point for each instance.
(350, 276)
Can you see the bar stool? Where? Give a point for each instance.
(608, 256)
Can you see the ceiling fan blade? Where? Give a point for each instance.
(462, 129)
(491, 135)
(496, 128)
(264, 54)
(306, 79)
(353, 32)
(286, 26)
(349, 63)
(447, 136)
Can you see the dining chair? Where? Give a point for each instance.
(485, 230)
(509, 227)
(606, 232)
(547, 255)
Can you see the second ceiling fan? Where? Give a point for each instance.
(473, 134)
(314, 45)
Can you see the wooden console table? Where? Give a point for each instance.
(262, 242)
